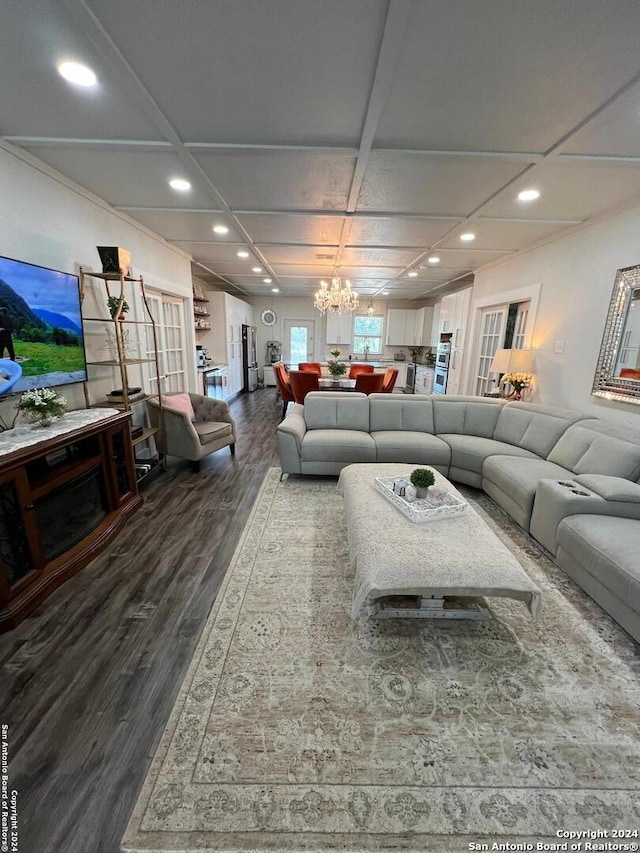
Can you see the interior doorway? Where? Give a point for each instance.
(501, 327)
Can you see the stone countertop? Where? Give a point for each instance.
(211, 367)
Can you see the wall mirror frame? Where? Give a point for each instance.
(620, 350)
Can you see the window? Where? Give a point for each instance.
(367, 334)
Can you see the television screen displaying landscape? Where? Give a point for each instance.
(41, 325)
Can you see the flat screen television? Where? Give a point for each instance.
(41, 335)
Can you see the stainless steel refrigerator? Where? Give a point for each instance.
(249, 358)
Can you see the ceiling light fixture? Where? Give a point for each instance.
(337, 298)
(76, 73)
(412, 274)
(434, 259)
(179, 184)
(267, 280)
(370, 310)
(467, 237)
(528, 195)
(220, 229)
(256, 269)
(242, 254)
(385, 292)
(275, 290)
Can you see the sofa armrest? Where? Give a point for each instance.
(555, 500)
(611, 488)
(290, 434)
(178, 436)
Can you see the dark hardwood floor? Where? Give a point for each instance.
(89, 679)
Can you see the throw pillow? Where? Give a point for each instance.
(180, 403)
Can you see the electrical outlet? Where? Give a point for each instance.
(560, 347)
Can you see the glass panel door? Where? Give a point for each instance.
(299, 341)
(492, 327)
(168, 313)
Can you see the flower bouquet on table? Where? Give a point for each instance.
(41, 405)
(336, 368)
(518, 381)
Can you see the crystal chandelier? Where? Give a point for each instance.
(337, 298)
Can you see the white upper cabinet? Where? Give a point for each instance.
(339, 328)
(461, 318)
(408, 327)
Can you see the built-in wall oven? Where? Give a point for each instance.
(440, 380)
(410, 382)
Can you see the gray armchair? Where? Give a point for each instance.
(212, 428)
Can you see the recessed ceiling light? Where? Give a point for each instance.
(267, 280)
(412, 274)
(243, 254)
(275, 290)
(256, 269)
(76, 73)
(529, 195)
(220, 229)
(434, 259)
(467, 237)
(385, 292)
(179, 184)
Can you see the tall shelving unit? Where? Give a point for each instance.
(114, 281)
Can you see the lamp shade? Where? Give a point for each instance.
(512, 361)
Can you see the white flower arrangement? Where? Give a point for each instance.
(518, 380)
(42, 405)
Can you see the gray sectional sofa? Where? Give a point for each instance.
(571, 480)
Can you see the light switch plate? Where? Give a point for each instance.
(560, 346)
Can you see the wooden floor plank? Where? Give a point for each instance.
(87, 682)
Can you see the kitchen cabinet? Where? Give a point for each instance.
(228, 315)
(340, 328)
(409, 327)
(269, 376)
(457, 313)
(424, 380)
(401, 366)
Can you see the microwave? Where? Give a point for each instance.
(442, 359)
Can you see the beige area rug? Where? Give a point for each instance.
(299, 729)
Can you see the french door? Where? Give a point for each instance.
(501, 327)
(168, 313)
(493, 323)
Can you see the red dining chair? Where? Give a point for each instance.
(302, 382)
(284, 386)
(356, 369)
(369, 383)
(389, 380)
(310, 367)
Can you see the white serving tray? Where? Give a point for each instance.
(431, 508)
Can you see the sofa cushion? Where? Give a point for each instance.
(412, 412)
(607, 548)
(412, 447)
(341, 411)
(536, 428)
(517, 479)
(469, 451)
(337, 445)
(461, 415)
(212, 430)
(596, 447)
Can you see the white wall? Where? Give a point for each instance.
(576, 274)
(47, 220)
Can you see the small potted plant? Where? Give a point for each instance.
(115, 309)
(41, 405)
(422, 478)
(337, 368)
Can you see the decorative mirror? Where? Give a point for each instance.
(269, 317)
(618, 369)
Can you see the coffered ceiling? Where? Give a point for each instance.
(369, 134)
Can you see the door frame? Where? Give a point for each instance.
(523, 294)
